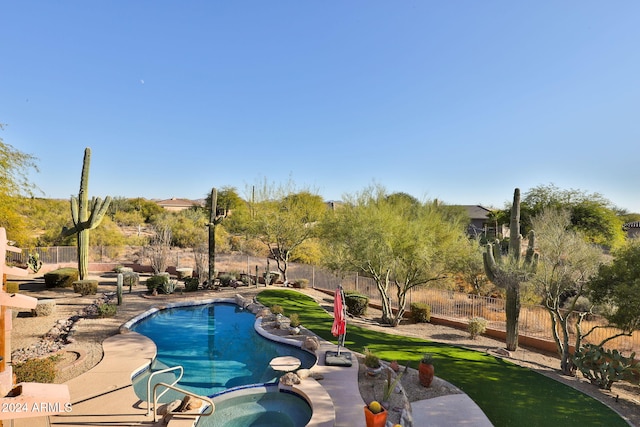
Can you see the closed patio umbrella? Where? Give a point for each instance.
(338, 329)
(339, 319)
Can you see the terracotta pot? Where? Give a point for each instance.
(425, 374)
(375, 420)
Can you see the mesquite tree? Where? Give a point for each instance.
(85, 216)
(510, 271)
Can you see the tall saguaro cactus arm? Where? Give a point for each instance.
(515, 238)
(85, 216)
(490, 264)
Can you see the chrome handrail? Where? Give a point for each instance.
(211, 406)
(162, 371)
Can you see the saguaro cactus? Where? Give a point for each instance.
(119, 288)
(214, 219)
(86, 216)
(509, 272)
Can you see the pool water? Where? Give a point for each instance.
(217, 346)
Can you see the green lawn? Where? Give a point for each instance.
(508, 394)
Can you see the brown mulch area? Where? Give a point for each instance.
(87, 350)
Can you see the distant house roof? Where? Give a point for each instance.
(175, 204)
(477, 211)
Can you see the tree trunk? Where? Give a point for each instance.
(402, 302)
(566, 362)
(387, 313)
(512, 309)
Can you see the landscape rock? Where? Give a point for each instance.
(289, 379)
(311, 343)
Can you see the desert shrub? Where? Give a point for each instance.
(85, 287)
(157, 281)
(122, 269)
(476, 326)
(371, 360)
(107, 310)
(356, 303)
(277, 309)
(294, 320)
(129, 278)
(226, 278)
(44, 308)
(191, 284)
(35, 370)
(61, 278)
(13, 287)
(420, 312)
(300, 283)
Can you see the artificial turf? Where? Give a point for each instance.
(508, 394)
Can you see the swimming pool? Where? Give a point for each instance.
(216, 344)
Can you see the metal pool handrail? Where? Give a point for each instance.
(162, 371)
(211, 406)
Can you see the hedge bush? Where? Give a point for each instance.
(44, 308)
(191, 284)
(477, 326)
(129, 278)
(300, 283)
(107, 310)
(61, 278)
(85, 287)
(35, 371)
(420, 312)
(356, 303)
(157, 281)
(225, 279)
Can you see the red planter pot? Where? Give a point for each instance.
(425, 374)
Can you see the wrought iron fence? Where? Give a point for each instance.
(534, 320)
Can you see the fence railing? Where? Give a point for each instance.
(534, 320)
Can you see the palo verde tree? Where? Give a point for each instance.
(616, 290)
(511, 270)
(85, 216)
(14, 187)
(592, 214)
(399, 242)
(283, 219)
(566, 262)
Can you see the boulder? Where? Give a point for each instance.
(311, 343)
(289, 379)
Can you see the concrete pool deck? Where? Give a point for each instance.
(104, 395)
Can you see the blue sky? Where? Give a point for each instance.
(457, 100)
